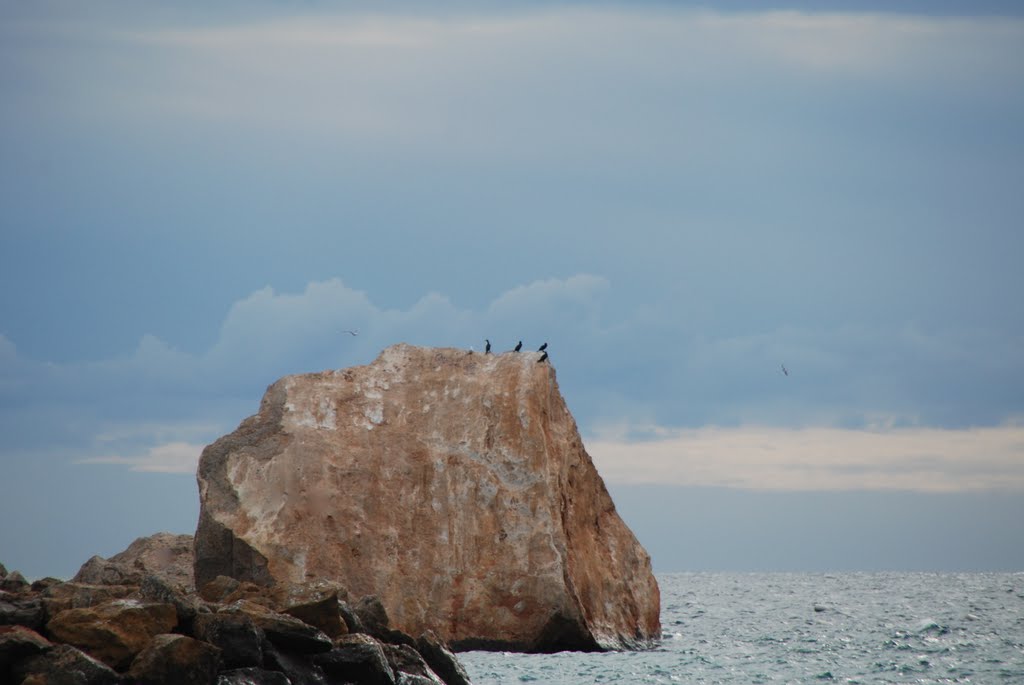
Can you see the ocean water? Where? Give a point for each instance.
(805, 628)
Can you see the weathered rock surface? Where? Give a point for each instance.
(175, 660)
(452, 485)
(164, 555)
(63, 665)
(113, 632)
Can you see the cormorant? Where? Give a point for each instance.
(542, 348)
(785, 371)
(487, 350)
(543, 358)
(519, 346)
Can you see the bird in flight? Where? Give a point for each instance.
(785, 371)
(354, 332)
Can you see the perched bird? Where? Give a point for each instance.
(543, 358)
(785, 371)
(519, 346)
(487, 350)
(542, 348)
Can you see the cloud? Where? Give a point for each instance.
(816, 458)
(174, 457)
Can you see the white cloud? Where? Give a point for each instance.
(174, 457)
(816, 458)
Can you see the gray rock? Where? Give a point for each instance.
(299, 669)
(17, 643)
(64, 665)
(175, 660)
(14, 582)
(357, 659)
(441, 660)
(237, 636)
(252, 676)
(407, 663)
(22, 610)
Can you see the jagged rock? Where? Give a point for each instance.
(22, 610)
(357, 659)
(175, 660)
(441, 660)
(287, 632)
(299, 669)
(18, 643)
(63, 665)
(165, 555)
(113, 632)
(237, 636)
(71, 595)
(157, 589)
(14, 582)
(453, 486)
(323, 613)
(409, 666)
(252, 676)
(3, 571)
(218, 589)
(374, 620)
(45, 583)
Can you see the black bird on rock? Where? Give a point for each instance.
(487, 350)
(543, 358)
(542, 348)
(519, 346)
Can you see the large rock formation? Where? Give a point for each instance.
(453, 485)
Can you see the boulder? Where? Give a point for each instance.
(18, 643)
(22, 610)
(298, 668)
(235, 634)
(63, 665)
(158, 589)
(113, 632)
(284, 631)
(252, 676)
(217, 589)
(165, 555)
(454, 486)
(14, 582)
(357, 659)
(73, 595)
(441, 660)
(409, 666)
(175, 660)
(323, 613)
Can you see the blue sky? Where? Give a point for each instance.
(678, 197)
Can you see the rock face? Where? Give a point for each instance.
(452, 485)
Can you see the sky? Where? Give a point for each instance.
(680, 198)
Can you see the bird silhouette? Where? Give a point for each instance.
(785, 371)
(487, 350)
(542, 347)
(543, 358)
(519, 346)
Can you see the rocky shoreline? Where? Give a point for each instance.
(137, 618)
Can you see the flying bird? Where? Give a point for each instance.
(519, 346)
(543, 358)
(785, 371)
(487, 350)
(354, 332)
(542, 348)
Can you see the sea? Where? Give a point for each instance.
(805, 628)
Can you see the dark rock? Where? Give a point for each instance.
(299, 669)
(351, 618)
(22, 610)
(284, 631)
(237, 636)
(252, 676)
(14, 582)
(156, 589)
(64, 665)
(407, 663)
(113, 632)
(372, 615)
(175, 660)
(357, 659)
(44, 583)
(218, 589)
(17, 643)
(3, 571)
(58, 598)
(441, 660)
(321, 613)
